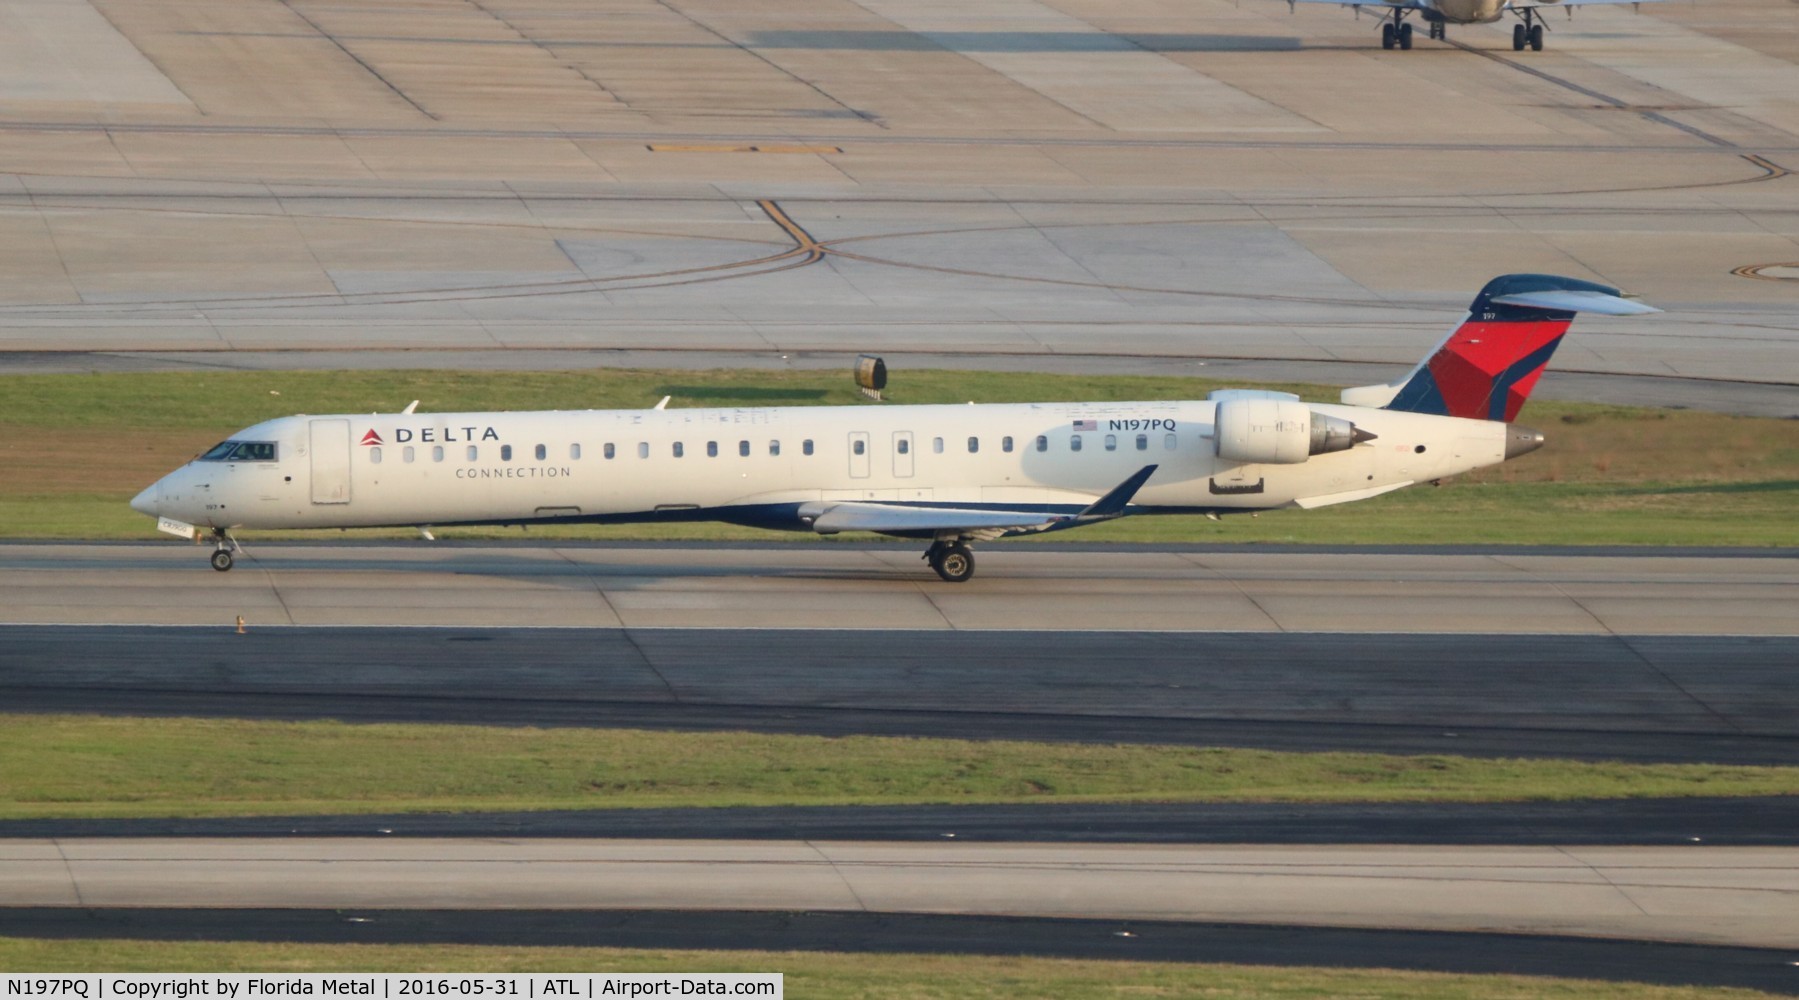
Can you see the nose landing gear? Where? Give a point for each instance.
(223, 546)
(953, 561)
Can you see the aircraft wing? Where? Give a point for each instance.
(1570, 3)
(861, 516)
(1408, 4)
(858, 515)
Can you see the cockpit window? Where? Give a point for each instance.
(241, 451)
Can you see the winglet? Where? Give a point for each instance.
(662, 405)
(1114, 503)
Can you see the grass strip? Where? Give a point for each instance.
(855, 977)
(75, 448)
(98, 766)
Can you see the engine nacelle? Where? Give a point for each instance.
(1279, 432)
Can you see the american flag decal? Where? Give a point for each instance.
(1086, 425)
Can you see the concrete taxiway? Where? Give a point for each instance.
(1202, 180)
(1722, 895)
(807, 586)
(1635, 656)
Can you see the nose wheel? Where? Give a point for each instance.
(224, 545)
(953, 561)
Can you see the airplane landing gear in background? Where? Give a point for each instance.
(1396, 33)
(1439, 31)
(953, 561)
(1529, 33)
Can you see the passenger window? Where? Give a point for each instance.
(743, 448)
(643, 449)
(474, 452)
(1005, 444)
(505, 453)
(1168, 442)
(375, 455)
(859, 447)
(903, 446)
(542, 453)
(937, 445)
(609, 452)
(680, 449)
(806, 446)
(1043, 442)
(1111, 442)
(574, 451)
(1074, 443)
(774, 448)
(437, 453)
(712, 449)
(974, 445)
(1143, 442)
(406, 454)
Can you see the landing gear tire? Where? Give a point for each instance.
(1405, 36)
(1388, 36)
(1520, 37)
(1439, 31)
(1536, 38)
(953, 562)
(221, 560)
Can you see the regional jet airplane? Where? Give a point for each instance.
(946, 475)
(1440, 14)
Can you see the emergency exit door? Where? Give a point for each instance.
(859, 458)
(330, 461)
(902, 454)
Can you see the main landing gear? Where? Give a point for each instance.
(1529, 33)
(953, 561)
(223, 546)
(1396, 31)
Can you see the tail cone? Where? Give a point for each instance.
(1521, 441)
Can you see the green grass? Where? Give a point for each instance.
(82, 766)
(75, 448)
(845, 976)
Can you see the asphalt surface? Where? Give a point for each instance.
(875, 933)
(1671, 698)
(1719, 822)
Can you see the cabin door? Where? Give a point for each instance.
(859, 455)
(902, 454)
(330, 461)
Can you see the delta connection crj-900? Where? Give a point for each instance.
(946, 475)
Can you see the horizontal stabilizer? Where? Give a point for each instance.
(1576, 302)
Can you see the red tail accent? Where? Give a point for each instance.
(1485, 358)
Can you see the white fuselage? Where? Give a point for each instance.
(763, 465)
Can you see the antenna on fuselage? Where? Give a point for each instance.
(410, 407)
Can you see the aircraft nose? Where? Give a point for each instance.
(149, 500)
